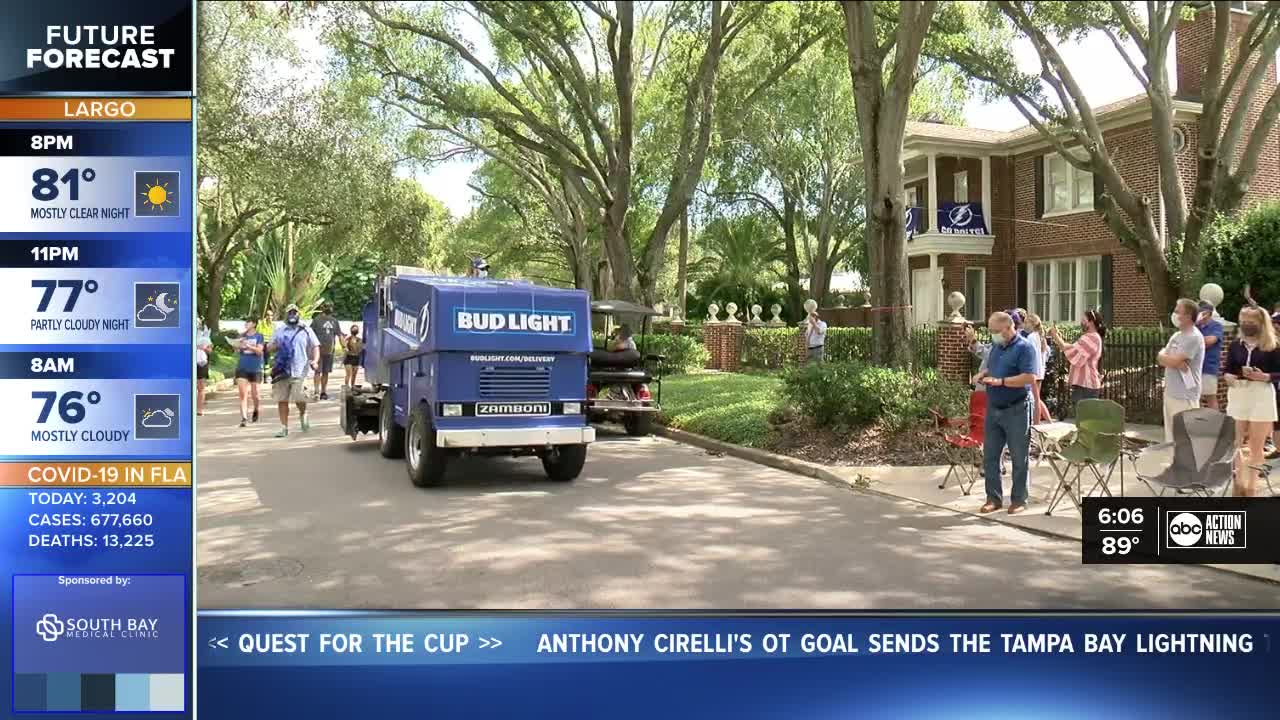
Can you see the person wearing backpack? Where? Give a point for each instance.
(296, 349)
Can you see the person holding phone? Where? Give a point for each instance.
(1253, 369)
(1083, 357)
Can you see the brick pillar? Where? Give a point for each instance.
(711, 341)
(731, 335)
(953, 354)
(1228, 334)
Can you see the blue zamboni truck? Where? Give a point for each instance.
(467, 366)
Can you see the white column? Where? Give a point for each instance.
(935, 291)
(987, 210)
(933, 193)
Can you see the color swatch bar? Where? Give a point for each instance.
(74, 692)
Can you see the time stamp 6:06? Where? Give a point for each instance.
(1122, 528)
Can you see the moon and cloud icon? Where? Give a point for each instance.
(156, 305)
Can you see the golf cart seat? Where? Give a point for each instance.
(619, 375)
(615, 359)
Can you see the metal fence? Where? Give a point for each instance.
(1130, 375)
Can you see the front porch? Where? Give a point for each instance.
(948, 195)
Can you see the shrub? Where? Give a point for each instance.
(854, 394)
(1241, 250)
(848, 344)
(684, 353)
(770, 348)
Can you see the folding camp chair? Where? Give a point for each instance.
(1204, 448)
(963, 438)
(1096, 445)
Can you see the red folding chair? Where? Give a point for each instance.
(963, 438)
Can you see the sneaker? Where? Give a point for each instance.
(305, 423)
(255, 416)
(324, 396)
(243, 422)
(282, 432)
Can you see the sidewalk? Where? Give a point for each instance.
(920, 484)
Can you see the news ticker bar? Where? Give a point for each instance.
(1120, 530)
(235, 639)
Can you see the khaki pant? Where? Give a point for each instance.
(1173, 406)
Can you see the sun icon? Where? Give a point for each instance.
(157, 195)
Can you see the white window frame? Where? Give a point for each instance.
(1081, 294)
(1072, 180)
(960, 180)
(911, 196)
(976, 305)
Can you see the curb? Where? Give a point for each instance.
(813, 470)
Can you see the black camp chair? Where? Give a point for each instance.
(1204, 448)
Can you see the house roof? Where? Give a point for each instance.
(926, 131)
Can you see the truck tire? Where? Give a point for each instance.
(638, 424)
(390, 435)
(564, 462)
(426, 462)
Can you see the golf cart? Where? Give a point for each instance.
(618, 380)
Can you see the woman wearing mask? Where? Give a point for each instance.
(1253, 367)
(353, 347)
(250, 348)
(1033, 331)
(1083, 357)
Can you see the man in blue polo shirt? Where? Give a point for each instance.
(1010, 372)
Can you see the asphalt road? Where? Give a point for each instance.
(319, 521)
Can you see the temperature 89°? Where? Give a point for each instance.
(46, 181)
(1122, 516)
(70, 406)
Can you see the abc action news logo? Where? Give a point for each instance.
(1196, 529)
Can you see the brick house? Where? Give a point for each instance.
(1004, 219)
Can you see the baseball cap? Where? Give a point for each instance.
(291, 308)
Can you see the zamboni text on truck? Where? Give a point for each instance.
(469, 366)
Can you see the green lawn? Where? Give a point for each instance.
(726, 406)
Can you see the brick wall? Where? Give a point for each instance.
(724, 343)
(1192, 45)
(953, 353)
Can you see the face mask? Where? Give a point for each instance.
(998, 340)
(1173, 318)
(292, 319)
(1250, 329)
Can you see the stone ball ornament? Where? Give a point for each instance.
(712, 311)
(810, 305)
(1212, 293)
(956, 301)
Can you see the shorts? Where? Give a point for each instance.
(1172, 407)
(1252, 401)
(288, 390)
(351, 360)
(326, 364)
(1209, 385)
(251, 376)
(202, 372)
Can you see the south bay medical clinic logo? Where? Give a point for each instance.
(1195, 529)
(51, 628)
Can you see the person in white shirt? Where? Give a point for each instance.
(815, 336)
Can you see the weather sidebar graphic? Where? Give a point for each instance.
(97, 373)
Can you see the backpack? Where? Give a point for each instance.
(283, 362)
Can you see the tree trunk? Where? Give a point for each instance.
(886, 233)
(795, 293)
(682, 269)
(215, 278)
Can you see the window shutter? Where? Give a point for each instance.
(1039, 165)
(1022, 298)
(1107, 302)
(1097, 194)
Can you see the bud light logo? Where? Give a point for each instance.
(513, 322)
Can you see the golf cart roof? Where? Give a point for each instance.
(621, 307)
